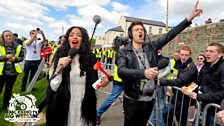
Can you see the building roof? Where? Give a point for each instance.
(145, 21)
(118, 29)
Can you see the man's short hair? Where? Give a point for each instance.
(185, 48)
(15, 34)
(134, 24)
(220, 48)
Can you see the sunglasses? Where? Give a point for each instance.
(200, 58)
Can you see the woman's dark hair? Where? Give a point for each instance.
(62, 96)
(84, 50)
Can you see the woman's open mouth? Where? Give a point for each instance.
(75, 43)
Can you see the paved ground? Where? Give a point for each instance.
(114, 115)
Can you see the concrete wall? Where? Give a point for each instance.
(197, 38)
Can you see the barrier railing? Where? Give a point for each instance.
(205, 114)
(107, 90)
(177, 109)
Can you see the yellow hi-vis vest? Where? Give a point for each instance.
(103, 52)
(173, 62)
(98, 53)
(116, 77)
(3, 53)
(110, 54)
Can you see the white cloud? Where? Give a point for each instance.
(119, 7)
(48, 19)
(63, 5)
(22, 10)
(179, 9)
(148, 10)
(22, 29)
(35, 13)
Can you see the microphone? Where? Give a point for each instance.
(97, 20)
(71, 53)
(163, 63)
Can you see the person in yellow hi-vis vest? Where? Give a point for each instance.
(109, 55)
(98, 54)
(11, 54)
(117, 88)
(103, 55)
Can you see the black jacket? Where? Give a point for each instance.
(128, 67)
(212, 83)
(187, 73)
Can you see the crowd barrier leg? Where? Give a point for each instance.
(177, 111)
(205, 114)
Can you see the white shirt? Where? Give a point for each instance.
(30, 55)
(77, 91)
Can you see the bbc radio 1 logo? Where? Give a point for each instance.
(22, 109)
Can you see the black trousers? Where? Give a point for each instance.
(8, 81)
(109, 62)
(137, 113)
(32, 67)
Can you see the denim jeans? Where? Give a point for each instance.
(161, 95)
(29, 66)
(116, 91)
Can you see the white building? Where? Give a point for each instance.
(152, 27)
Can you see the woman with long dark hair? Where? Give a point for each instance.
(72, 99)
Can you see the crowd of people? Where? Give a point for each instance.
(71, 99)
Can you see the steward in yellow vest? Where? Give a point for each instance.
(98, 54)
(109, 58)
(11, 54)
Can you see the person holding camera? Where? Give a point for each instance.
(137, 67)
(32, 57)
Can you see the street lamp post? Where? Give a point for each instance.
(167, 9)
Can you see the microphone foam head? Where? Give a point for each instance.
(72, 52)
(163, 63)
(97, 19)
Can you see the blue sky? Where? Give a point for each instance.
(21, 16)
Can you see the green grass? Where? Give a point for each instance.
(40, 87)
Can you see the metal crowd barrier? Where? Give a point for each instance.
(200, 118)
(177, 110)
(205, 110)
(107, 90)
